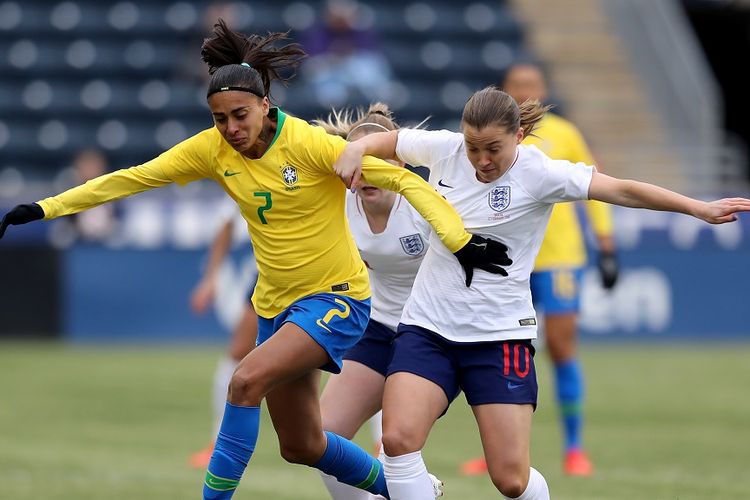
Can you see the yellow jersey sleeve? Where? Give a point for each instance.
(183, 163)
(423, 197)
(600, 214)
(429, 203)
(563, 245)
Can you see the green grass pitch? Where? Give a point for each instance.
(118, 423)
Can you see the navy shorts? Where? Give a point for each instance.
(374, 348)
(488, 372)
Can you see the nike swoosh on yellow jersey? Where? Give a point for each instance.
(227, 173)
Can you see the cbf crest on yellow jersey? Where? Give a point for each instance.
(292, 201)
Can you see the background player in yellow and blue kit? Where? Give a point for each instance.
(312, 295)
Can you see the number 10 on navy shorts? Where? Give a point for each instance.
(487, 372)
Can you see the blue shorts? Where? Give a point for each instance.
(487, 372)
(374, 348)
(334, 321)
(557, 291)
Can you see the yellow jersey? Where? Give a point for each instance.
(292, 200)
(563, 244)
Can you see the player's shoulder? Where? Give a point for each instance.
(530, 156)
(204, 144)
(447, 140)
(532, 164)
(297, 128)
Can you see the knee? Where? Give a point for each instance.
(238, 351)
(402, 439)
(305, 451)
(511, 484)
(338, 424)
(248, 386)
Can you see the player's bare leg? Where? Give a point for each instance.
(505, 430)
(350, 398)
(411, 405)
(288, 355)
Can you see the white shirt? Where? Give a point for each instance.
(392, 257)
(513, 209)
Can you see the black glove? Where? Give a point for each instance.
(483, 253)
(609, 269)
(21, 214)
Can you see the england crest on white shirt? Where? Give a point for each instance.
(412, 244)
(499, 198)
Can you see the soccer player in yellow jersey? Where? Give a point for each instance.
(312, 296)
(555, 282)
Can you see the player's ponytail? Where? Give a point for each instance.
(492, 106)
(249, 63)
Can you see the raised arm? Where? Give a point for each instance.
(349, 164)
(634, 194)
(109, 187)
(95, 192)
(183, 163)
(472, 251)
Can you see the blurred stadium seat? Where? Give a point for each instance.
(127, 76)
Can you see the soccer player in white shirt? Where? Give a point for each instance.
(392, 239)
(478, 338)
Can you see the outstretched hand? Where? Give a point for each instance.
(483, 253)
(21, 214)
(722, 211)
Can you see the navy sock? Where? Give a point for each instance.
(352, 465)
(233, 449)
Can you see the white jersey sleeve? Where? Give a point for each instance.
(559, 180)
(427, 148)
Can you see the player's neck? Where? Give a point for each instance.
(264, 140)
(379, 212)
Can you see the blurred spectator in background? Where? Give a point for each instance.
(345, 64)
(191, 65)
(97, 225)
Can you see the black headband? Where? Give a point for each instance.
(225, 89)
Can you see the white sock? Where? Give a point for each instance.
(376, 427)
(222, 376)
(407, 478)
(341, 491)
(537, 488)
